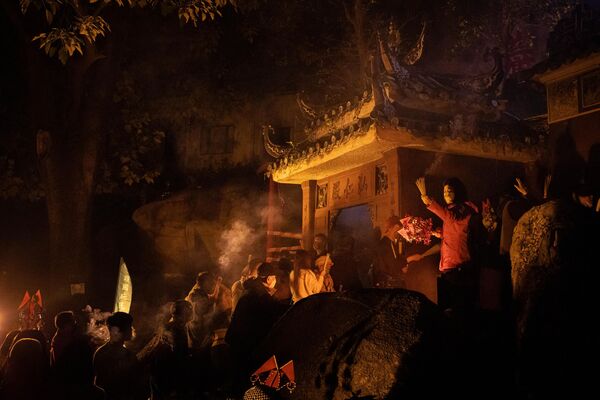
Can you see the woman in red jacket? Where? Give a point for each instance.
(457, 284)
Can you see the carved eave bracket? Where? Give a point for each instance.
(416, 52)
(274, 150)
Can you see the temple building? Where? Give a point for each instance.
(368, 152)
(571, 76)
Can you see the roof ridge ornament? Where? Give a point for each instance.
(408, 87)
(308, 111)
(274, 150)
(416, 52)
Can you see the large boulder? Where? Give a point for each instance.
(555, 278)
(371, 344)
(186, 231)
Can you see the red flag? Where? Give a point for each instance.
(273, 379)
(38, 295)
(270, 365)
(276, 375)
(288, 371)
(26, 298)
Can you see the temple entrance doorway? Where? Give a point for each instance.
(352, 242)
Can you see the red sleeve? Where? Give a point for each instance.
(438, 210)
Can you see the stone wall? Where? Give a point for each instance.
(235, 138)
(210, 229)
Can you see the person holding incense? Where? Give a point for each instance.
(457, 282)
(321, 264)
(390, 265)
(304, 281)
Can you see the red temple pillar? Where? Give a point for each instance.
(272, 204)
(309, 197)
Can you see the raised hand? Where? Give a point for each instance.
(421, 186)
(521, 187)
(423, 190)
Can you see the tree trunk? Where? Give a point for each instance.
(69, 170)
(69, 105)
(356, 14)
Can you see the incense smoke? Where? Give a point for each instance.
(96, 325)
(244, 232)
(245, 238)
(235, 244)
(435, 163)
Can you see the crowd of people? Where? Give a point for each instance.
(205, 348)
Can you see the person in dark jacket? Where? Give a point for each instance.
(26, 376)
(345, 265)
(283, 293)
(116, 368)
(71, 358)
(168, 356)
(391, 264)
(5, 348)
(256, 313)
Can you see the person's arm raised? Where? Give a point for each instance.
(521, 187)
(423, 190)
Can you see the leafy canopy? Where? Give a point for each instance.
(76, 24)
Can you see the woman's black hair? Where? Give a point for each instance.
(460, 190)
(459, 209)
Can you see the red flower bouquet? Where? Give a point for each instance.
(416, 229)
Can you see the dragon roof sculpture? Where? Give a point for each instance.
(409, 87)
(408, 107)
